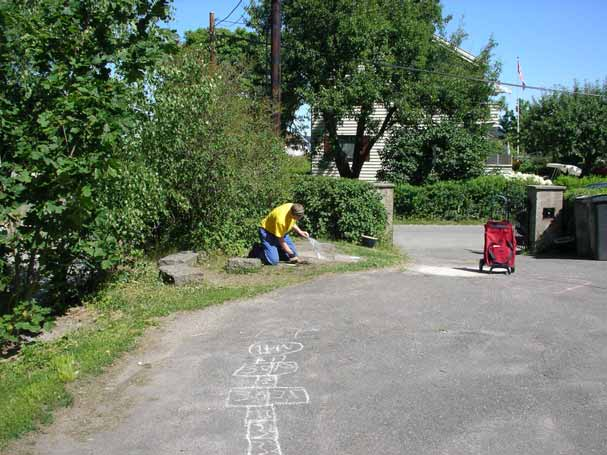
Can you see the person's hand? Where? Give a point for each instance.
(305, 235)
(293, 260)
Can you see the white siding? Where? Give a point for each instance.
(348, 128)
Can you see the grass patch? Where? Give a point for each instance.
(34, 384)
(428, 221)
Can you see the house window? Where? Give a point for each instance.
(348, 144)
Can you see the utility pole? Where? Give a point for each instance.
(276, 65)
(518, 126)
(212, 36)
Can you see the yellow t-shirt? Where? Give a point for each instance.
(280, 221)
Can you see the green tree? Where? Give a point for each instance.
(233, 47)
(508, 124)
(441, 151)
(570, 127)
(346, 58)
(70, 73)
(240, 48)
(223, 166)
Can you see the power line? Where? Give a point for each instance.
(484, 81)
(450, 75)
(231, 12)
(235, 22)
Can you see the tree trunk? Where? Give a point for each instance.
(363, 144)
(341, 162)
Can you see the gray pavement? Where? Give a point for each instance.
(383, 362)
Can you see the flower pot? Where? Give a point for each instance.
(368, 241)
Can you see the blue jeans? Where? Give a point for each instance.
(272, 253)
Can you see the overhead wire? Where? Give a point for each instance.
(481, 80)
(230, 14)
(451, 75)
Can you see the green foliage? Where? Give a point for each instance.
(239, 48)
(27, 318)
(299, 165)
(69, 74)
(443, 151)
(342, 58)
(532, 165)
(220, 165)
(340, 208)
(464, 200)
(576, 182)
(65, 367)
(508, 123)
(570, 128)
(572, 193)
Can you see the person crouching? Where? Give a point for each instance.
(273, 233)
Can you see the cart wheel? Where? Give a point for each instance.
(512, 269)
(481, 263)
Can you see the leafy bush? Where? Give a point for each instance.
(533, 165)
(577, 182)
(462, 200)
(299, 165)
(443, 151)
(220, 165)
(27, 318)
(340, 208)
(69, 75)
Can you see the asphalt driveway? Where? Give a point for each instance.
(437, 359)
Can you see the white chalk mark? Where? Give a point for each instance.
(265, 413)
(271, 358)
(262, 431)
(266, 368)
(573, 288)
(260, 399)
(257, 447)
(275, 348)
(242, 397)
(264, 382)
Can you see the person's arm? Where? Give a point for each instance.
(285, 248)
(301, 233)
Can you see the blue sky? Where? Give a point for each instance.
(557, 40)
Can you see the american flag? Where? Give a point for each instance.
(520, 73)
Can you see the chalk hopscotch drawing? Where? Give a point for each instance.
(261, 397)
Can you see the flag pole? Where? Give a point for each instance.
(518, 127)
(518, 106)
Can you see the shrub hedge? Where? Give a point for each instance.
(339, 208)
(576, 182)
(461, 200)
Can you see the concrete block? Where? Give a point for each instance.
(243, 265)
(180, 274)
(182, 258)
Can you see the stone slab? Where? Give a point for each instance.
(240, 265)
(189, 258)
(180, 274)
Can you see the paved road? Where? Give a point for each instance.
(389, 362)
